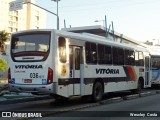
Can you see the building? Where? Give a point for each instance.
(101, 31)
(30, 17)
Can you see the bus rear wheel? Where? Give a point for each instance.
(97, 92)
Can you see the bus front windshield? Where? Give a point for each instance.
(156, 63)
(30, 46)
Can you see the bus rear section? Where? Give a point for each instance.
(29, 69)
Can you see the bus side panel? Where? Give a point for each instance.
(109, 74)
(114, 86)
(116, 78)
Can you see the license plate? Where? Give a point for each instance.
(27, 80)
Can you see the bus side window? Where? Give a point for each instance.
(94, 53)
(87, 49)
(62, 49)
(115, 56)
(129, 57)
(118, 56)
(121, 56)
(91, 53)
(104, 54)
(101, 55)
(108, 55)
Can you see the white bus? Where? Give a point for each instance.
(155, 67)
(69, 64)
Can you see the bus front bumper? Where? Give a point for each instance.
(47, 89)
(156, 82)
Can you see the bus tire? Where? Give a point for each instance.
(139, 88)
(97, 92)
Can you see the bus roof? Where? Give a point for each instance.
(99, 39)
(88, 37)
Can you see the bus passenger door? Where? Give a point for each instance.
(147, 71)
(75, 60)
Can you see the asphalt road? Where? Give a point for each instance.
(143, 107)
(148, 103)
(118, 110)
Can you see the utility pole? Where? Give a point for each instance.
(106, 27)
(113, 31)
(57, 13)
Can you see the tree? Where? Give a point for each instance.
(4, 36)
(3, 65)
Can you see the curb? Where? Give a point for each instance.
(111, 100)
(26, 99)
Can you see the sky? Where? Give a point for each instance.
(137, 19)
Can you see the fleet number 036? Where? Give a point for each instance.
(33, 75)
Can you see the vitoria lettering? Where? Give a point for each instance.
(107, 71)
(28, 66)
